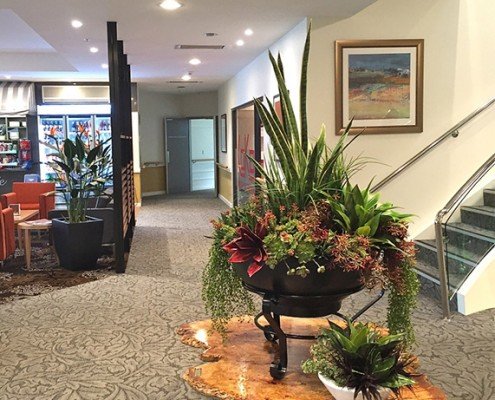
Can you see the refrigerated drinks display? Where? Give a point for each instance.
(94, 129)
(81, 125)
(103, 131)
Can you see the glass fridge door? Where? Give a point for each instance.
(53, 126)
(80, 124)
(103, 131)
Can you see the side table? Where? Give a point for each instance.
(27, 227)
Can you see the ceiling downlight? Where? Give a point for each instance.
(170, 5)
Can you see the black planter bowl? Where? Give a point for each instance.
(78, 245)
(316, 295)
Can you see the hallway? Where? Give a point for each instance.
(115, 338)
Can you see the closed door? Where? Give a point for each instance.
(177, 155)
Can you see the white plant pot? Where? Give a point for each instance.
(345, 393)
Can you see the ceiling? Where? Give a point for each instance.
(37, 41)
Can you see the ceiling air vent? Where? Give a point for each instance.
(185, 82)
(199, 46)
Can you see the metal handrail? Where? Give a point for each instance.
(454, 132)
(439, 237)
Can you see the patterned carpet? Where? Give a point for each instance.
(18, 281)
(115, 338)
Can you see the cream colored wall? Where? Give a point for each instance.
(257, 80)
(225, 185)
(477, 293)
(458, 78)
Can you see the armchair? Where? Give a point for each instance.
(7, 235)
(31, 196)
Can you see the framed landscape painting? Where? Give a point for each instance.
(379, 84)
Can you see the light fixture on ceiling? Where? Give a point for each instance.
(93, 49)
(186, 77)
(240, 43)
(194, 61)
(76, 23)
(8, 76)
(170, 5)
(104, 66)
(248, 32)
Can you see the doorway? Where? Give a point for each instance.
(190, 155)
(246, 128)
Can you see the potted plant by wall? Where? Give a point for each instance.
(360, 362)
(308, 231)
(81, 174)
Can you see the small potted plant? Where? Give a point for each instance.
(359, 362)
(80, 175)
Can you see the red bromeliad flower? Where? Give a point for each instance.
(248, 245)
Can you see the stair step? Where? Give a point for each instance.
(468, 238)
(431, 273)
(431, 288)
(489, 197)
(479, 216)
(459, 261)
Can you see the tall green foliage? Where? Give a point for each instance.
(80, 173)
(299, 173)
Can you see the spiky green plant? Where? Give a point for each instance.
(80, 173)
(360, 357)
(297, 171)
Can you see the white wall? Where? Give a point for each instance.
(257, 79)
(155, 106)
(459, 77)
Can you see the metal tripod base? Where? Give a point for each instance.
(274, 333)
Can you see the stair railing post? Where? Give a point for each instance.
(442, 265)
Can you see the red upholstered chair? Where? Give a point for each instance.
(7, 235)
(31, 196)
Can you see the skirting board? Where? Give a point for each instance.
(149, 194)
(225, 200)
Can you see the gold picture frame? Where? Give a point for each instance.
(379, 83)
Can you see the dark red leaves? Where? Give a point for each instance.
(248, 245)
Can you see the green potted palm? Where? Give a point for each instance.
(309, 232)
(80, 175)
(359, 362)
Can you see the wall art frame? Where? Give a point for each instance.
(379, 84)
(223, 133)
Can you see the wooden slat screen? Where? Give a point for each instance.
(123, 176)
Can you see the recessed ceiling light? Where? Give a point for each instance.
(76, 23)
(170, 5)
(186, 77)
(8, 76)
(194, 61)
(93, 49)
(240, 42)
(248, 32)
(104, 66)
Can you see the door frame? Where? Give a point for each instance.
(215, 125)
(257, 144)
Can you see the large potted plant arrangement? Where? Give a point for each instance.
(308, 231)
(360, 362)
(81, 174)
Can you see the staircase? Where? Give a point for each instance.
(467, 242)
